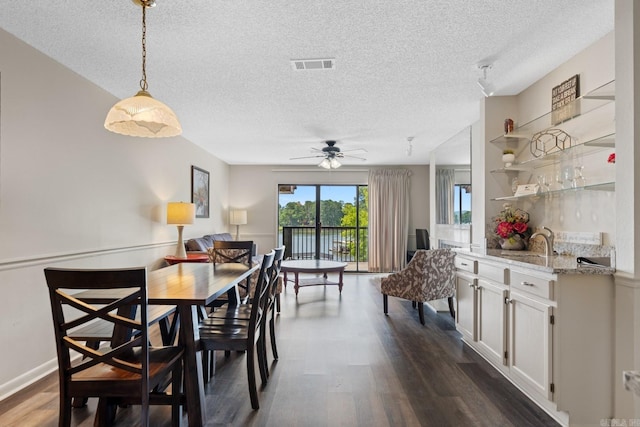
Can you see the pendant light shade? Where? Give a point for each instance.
(142, 115)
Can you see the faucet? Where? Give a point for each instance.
(548, 240)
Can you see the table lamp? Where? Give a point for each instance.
(238, 218)
(180, 214)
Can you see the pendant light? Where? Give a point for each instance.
(142, 115)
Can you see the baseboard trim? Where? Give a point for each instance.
(16, 384)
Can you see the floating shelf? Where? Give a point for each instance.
(604, 186)
(608, 141)
(593, 100)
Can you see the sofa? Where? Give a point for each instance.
(202, 244)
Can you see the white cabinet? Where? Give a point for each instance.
(549, 334)
(492, 325)
(466, 305)
(530, 349)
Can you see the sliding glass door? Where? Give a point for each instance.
(324, 222)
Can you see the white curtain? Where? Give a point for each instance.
(445, 182)
(388, 219)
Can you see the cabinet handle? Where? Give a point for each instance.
(527, 284)
(463, 264)
(507, 300)
(471, 285)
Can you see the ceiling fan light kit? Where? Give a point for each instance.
(329, 163)
(142, 115)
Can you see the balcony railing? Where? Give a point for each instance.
(335, 243)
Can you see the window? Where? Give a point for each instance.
(462, 203)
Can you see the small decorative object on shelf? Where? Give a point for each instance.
(508, 126)
(508, 158)
(550, 141)
(512, 227)
(612, 158)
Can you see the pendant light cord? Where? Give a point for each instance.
(143, 82)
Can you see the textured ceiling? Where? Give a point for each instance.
(403, 69)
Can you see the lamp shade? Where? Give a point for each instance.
(180, 213)
(142, 115)
(238, 217)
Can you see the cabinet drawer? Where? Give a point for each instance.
(532, 284)
(493, 272)
(466, 264)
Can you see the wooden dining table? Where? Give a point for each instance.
(189, 287)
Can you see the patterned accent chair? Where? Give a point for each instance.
(429, 276)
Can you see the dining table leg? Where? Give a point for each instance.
(193, 386)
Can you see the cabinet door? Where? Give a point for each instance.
(530, 353)
(492, 316)
(466, 305)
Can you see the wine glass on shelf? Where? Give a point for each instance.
(578, 178)
(542, 183)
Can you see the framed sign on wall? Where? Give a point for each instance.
(564, 100)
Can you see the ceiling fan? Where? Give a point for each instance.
(331, 154)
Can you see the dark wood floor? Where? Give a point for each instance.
(342, 362)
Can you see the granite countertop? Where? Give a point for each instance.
(556, 264)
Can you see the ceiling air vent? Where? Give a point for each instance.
(313, 64)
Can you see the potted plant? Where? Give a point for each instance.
(508, 157)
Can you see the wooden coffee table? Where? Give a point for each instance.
(312, 266)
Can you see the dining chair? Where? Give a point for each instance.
(129, 370)
(243, 311)
(232, 334)
(239, 251)
(430, 275)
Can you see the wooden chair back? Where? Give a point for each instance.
(231, 251)
(121, 370)
(261, 296)
(274, 273)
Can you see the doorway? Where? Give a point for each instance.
(325, 222)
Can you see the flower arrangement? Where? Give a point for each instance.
(512, 226)
(612, 158)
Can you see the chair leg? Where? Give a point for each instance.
(251, 376)
(451, 309)
(64, 419)
(262, 359)
(413, 304)
(176, 391)
(272, 334)
(385, 303)
(421, 312)
(278, 302)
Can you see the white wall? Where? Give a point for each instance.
(255, 188)
(74, 194)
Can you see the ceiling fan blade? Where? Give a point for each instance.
(304, 157)
(355, 157)
(363, 150)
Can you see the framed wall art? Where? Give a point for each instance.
(200, 191)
